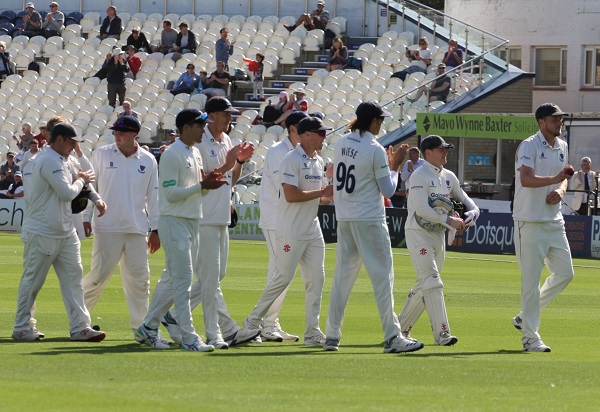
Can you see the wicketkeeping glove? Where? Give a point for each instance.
(471, 216)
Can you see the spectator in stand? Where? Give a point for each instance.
(5, 63)
(138, 40)
(8, 170)
(338, 55)
(24, 140)
(414, 162)
(318, 19)
(167, 38)
(34, 148)
(218, 82)
(128, 111)
(54, 22)
(584, 179)
(101, 74)
(297, 103)
(438, 89)
(15, 190)
(187, 82)
(454, 56)
(419, 60)
(112, 25)
(203, 79)
(115, 75)
(185, 41)
(258, 91)
(42, 137)
(224, 48)
(134, 62)
(32, 23)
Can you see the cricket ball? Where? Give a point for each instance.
(569, 170)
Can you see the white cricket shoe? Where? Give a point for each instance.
(400, 344)
(406, 335)
(517, 322)
(172, 327)
(271, 333)
(151, 337)
(535, 345)
(331, 345)
(288, 337)
(446, 339)
(248, 332)
(88, 335)
(218, 343)
(197, 346)
(27, 335)
(318, 340)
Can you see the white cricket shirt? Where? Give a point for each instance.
(298, 220)
(216, 203)
(179, 182)
(129, 186)
(270, 186)
(429, 182)
(359, 161)
(49, 187)
(545, 160)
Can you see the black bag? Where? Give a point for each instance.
(34, 66)
(354, 63)
(328, 40)
(270, 114)
(239, 74)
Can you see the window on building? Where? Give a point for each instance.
(592, 67)
(514, 56)
(550, 66)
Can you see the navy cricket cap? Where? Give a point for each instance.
(371, 110)
(219, 104)
(433, 142)
(188, 116)
(294, 118)
(126, 124)
(311, 124)
(548, 109)
(65, 130)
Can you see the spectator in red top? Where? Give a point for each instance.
(135, 63)
(43, 137)
(298, 103)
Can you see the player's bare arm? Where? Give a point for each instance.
(293, 194)
(529, 178)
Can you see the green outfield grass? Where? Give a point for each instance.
(485, 371)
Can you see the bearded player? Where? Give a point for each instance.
(430, 212)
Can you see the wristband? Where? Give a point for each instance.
(154, 231)
(238, 160)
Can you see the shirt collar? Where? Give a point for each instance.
(544, 143)
(431, 167)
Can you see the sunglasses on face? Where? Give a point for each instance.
(321, 133)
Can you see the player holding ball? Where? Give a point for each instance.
(541, 180)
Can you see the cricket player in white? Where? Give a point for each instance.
(270, 188)
(220, 155)
(298, 234)
(182, 184)
(541, 181)
(50, 238)
(424, 230)
(362, 179)
(127, 178)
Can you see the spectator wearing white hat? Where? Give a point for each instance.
(116, 70)
(54, 22)
(32, 22)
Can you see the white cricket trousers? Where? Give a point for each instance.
(361, 242)
(536, 243)
(272, 317)
(130, 251)
(212, 267)
(180, 239)
(39, 253)
(310, 254)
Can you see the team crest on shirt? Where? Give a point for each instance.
(561, 157)
(212, 153)
(142, 169)
(448, 184)
(287, 248)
